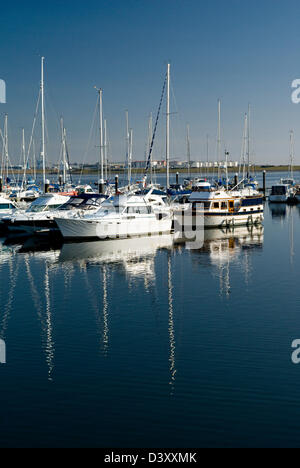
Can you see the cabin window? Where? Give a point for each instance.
(143, 210)
(138, 210)
(224, 205)
(231, 205)
(131, 210)
(53, 207)
(201, 205)
(216, 205)
(5, 206)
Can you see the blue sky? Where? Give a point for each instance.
(237, 50)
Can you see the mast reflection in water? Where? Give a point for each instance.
(113, 326)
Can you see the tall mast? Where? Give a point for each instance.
(105, 148)
(188, 147)
(150, 131)
(101, 183)
(292, 154)
(207, 153)
(43, 121)
(23, 149)
(244, 151)
(34, 160)
(63, 143)
(101, 131)
(130, 154)
(226, 167)
(127, 146)
(219, 137)
(23, 155)
(6, 144)
(168, 127)
(248, 141)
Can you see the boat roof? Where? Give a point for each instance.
(212, 195)
(50, 199)
(87, 196)
(5, 200)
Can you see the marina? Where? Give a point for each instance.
(124, 357)
(149, 227)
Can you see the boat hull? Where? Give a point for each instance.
(92, 229)
(278, 198)
(217, 220)
(30, 226)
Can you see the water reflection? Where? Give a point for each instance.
(222, 248)
(278, 210)
(45, 263)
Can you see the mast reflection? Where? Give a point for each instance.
(222, 248)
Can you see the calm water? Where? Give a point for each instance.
(145, 344)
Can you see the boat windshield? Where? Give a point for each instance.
(40, 208)
(6, 206)
(279, 190)
(109, 209)
(72, 204)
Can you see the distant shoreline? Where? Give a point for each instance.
(233, 170)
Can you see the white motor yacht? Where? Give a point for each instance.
(7, 208)
(36, 217)
(122, 216)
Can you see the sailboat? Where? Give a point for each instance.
(285, 190)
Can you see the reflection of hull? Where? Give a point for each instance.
(278, 210)
(115, 250)
(92, 229)
(240, 236)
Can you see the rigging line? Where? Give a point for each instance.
(68, 161)
(89, 140)
(8, 158)
(155, 126)
(32, 132)
(179, 123)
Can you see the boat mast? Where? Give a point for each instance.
(128, 147)
(150, 131)
(34, 160)
(168, 127)
(207, 154)
(245, 145)
(292, 154)
(130, 154)
(219, 138)
(101, 182)
(226, 167)
(24, 155)
(63, 143)
(105, 148)
(6, 145)
(43, 121)
(248, 142)
(188, 147)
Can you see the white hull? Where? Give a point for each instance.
(122, 228)
(210, 220)
(233, 220)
